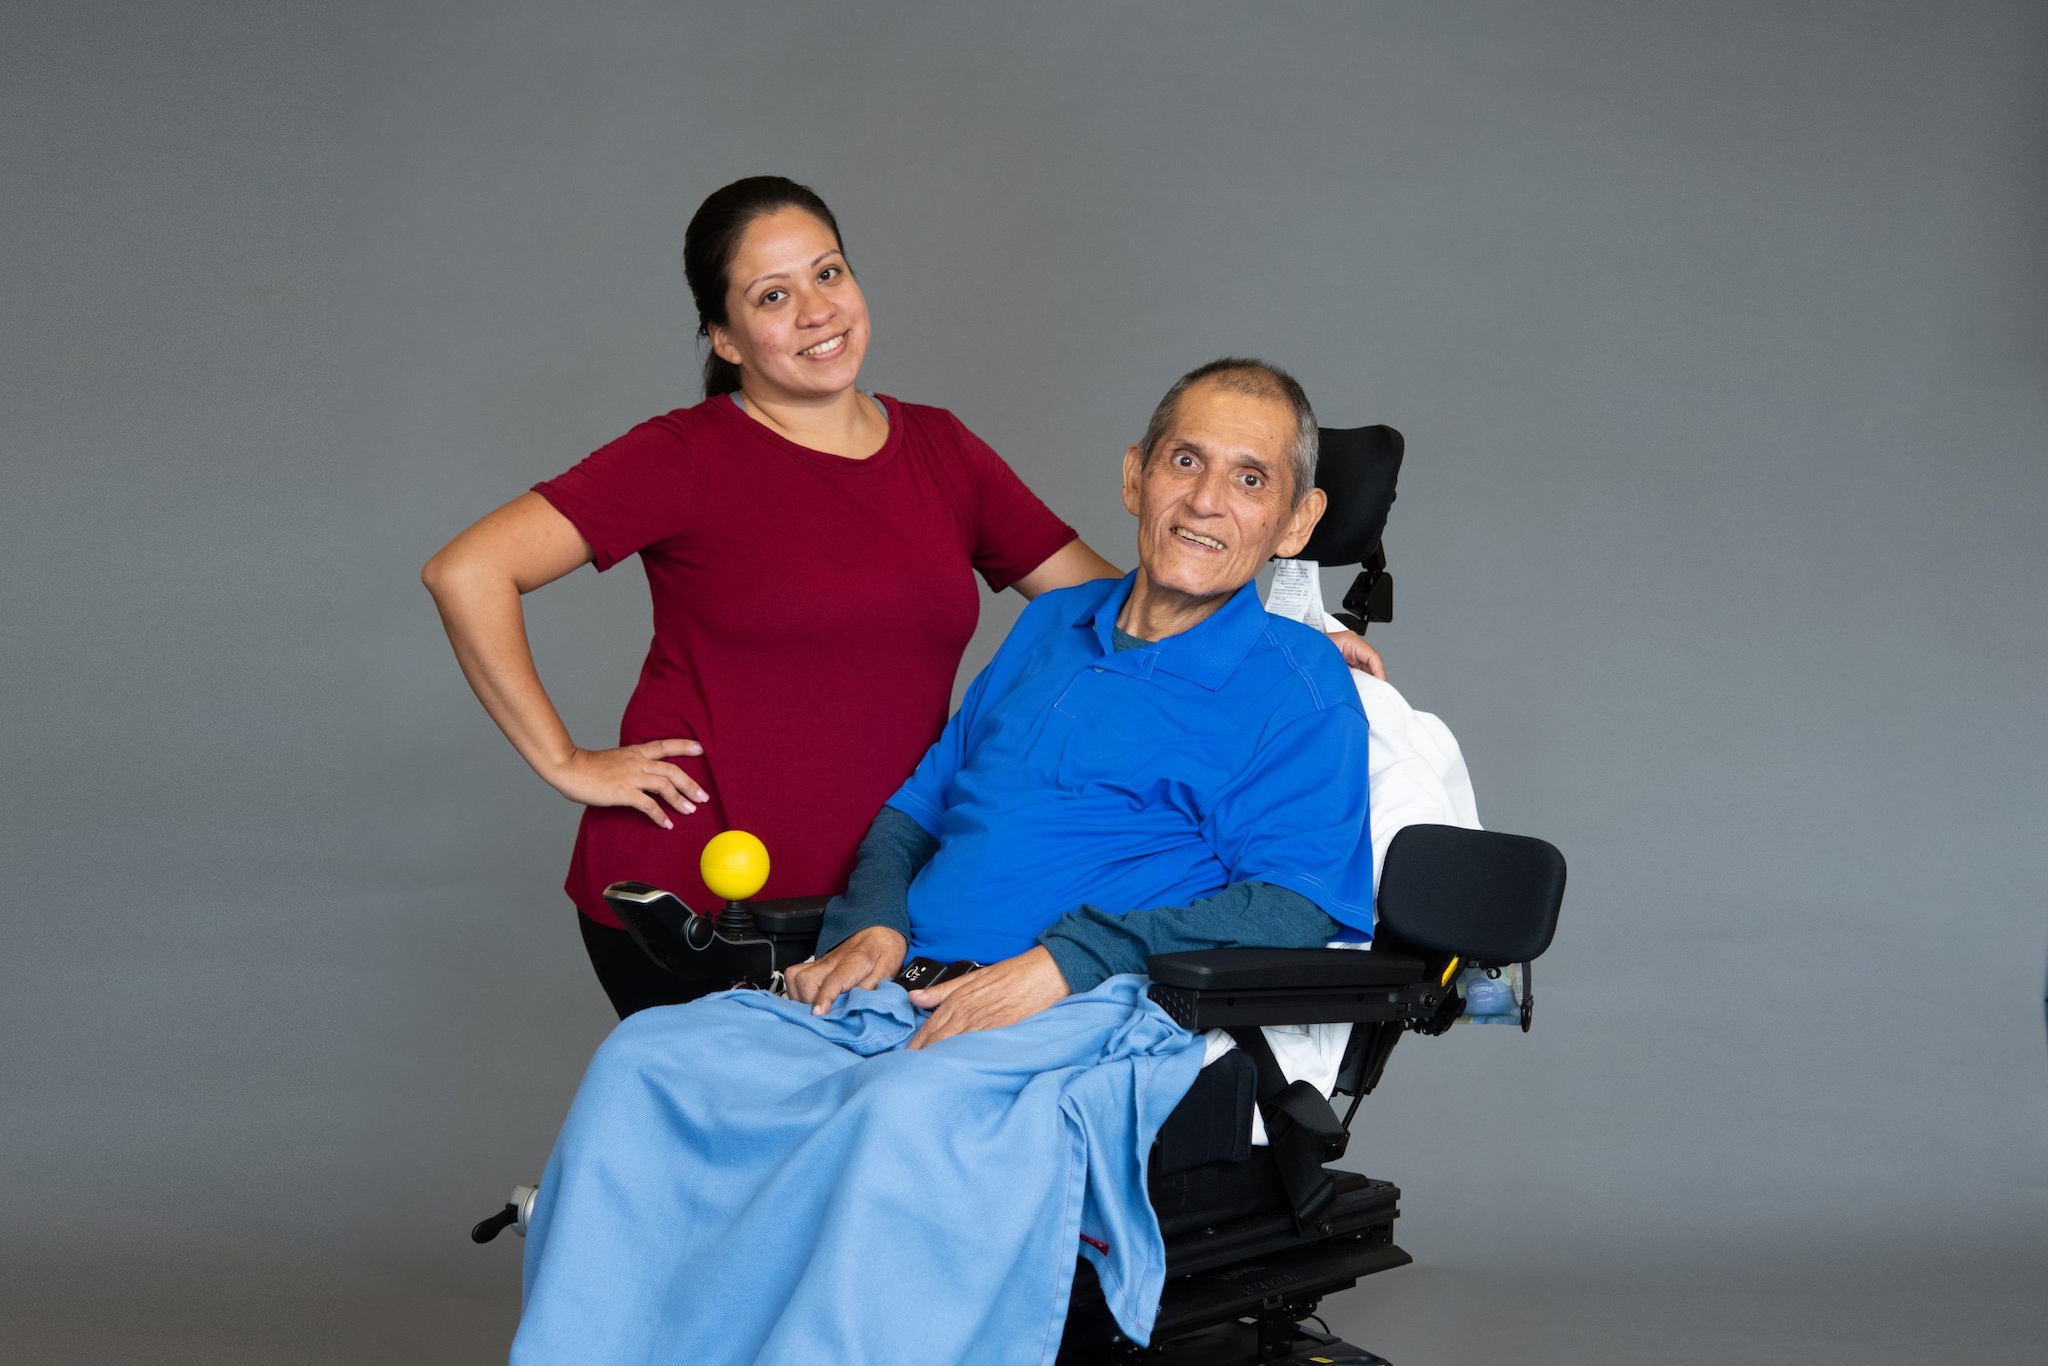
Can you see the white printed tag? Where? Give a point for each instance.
(1297, 592)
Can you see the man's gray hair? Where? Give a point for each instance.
(1243, 375)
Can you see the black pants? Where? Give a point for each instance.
(629, 977)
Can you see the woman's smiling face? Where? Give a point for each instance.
(797, 323)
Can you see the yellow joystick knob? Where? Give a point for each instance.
(735, 865)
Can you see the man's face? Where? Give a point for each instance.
(1215, 501)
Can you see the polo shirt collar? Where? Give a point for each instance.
(1206, 655)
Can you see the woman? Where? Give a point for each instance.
(808, 547)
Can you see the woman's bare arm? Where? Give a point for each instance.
(477, 580)
(1072, 563)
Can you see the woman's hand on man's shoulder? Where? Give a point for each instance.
(1358, 654)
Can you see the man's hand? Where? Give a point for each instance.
(997, 995)
(864, 959)
(1358, 654)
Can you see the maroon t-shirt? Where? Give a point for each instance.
(809, 615)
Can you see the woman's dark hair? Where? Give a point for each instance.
(713, 239)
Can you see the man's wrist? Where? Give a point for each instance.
(881, 935)
(1058, 971)
(844, 919)
(1082, 970)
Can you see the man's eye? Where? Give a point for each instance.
(1184, 460)
(1252, 481)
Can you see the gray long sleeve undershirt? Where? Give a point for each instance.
(1093, 945)
(878, 893)
(1090, 945)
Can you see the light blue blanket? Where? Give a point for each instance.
(739, 1181)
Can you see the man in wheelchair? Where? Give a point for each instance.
(1160, 747)
(860, 1172)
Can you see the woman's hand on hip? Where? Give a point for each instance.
(635, 776)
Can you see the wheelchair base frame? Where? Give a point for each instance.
(1242, 1289)
(1262, 1341)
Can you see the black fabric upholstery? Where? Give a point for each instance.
(1216, 1192)
(1480, 893)
(1213, 1122)
(1357, 467)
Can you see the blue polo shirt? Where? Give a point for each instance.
(1076, 774)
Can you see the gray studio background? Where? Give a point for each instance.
(1717, 334)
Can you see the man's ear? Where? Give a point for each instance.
(1134, 475)
(1302, 524)
(721, 343)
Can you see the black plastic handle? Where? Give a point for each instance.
(495, 1225)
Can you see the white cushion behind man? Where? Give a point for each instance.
(1416, 772)
(1416, 775)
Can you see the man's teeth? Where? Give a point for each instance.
(824, 348)
(1187, 535)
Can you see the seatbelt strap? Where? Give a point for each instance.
(1302, 1132)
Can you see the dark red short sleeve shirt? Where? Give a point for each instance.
(809, 616)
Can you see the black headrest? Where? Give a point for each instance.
(1357, 467)
(1478, 893)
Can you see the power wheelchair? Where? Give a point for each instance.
(1255, 1236)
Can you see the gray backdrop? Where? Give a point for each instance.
(1717, 334)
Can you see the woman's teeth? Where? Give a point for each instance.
(824, 348)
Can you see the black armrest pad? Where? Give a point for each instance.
(1225, 988)
(790, 916)
(1288, 969)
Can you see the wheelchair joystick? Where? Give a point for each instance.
(735, 866)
